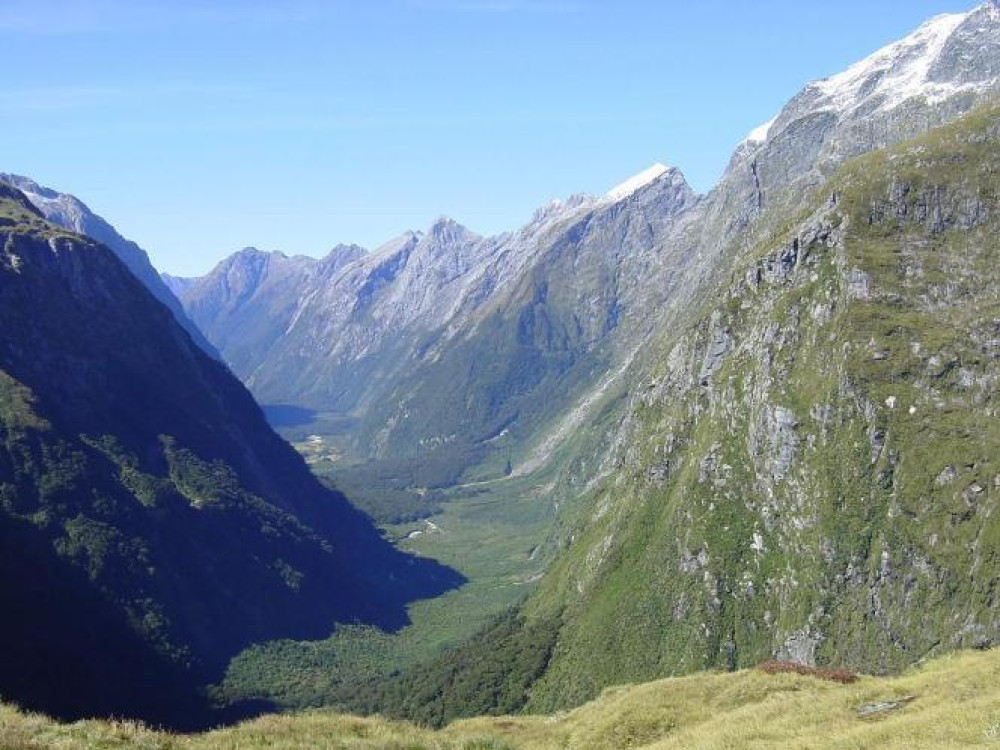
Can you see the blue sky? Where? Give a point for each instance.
(198, 128)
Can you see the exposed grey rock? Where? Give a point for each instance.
(947, 475)
(659, 473)
(715, 354)
(880, 708)
(778, 440)
(800, 648)
(857, 284)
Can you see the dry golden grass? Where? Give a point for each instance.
(956, 704)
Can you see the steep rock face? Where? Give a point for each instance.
(809, 470)
(70, 213)
(143, 479)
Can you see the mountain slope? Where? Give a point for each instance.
(249, 300)
(466, 350)
(810, 471)
(72, 214)
(143, 477)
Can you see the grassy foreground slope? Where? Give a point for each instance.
(951, 702)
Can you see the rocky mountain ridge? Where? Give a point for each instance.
(396, 319)
(805, 470)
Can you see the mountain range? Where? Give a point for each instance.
(765, 416)
(525, 326)
(713, 373)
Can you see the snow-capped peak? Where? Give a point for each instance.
(930, 64)
(639, 181)
(896, 72)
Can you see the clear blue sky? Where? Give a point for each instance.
(199, 128)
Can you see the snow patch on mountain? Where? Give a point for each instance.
(901, 72)
(759, 133)
(636, 183)
(895, 73)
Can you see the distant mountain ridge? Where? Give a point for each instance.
(354, 337)
(407, 338)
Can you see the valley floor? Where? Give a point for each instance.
(951, 702)
(497, 534)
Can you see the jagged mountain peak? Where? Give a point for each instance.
(249, 256)
(447, 230)
(444, 222)
(343, 249)
(402, 243)
(340, 257)
(559, 207)
(250, 251)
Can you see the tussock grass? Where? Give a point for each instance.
(955, 704)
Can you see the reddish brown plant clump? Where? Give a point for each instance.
(842, 676)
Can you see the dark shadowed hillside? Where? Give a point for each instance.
(158, 505)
